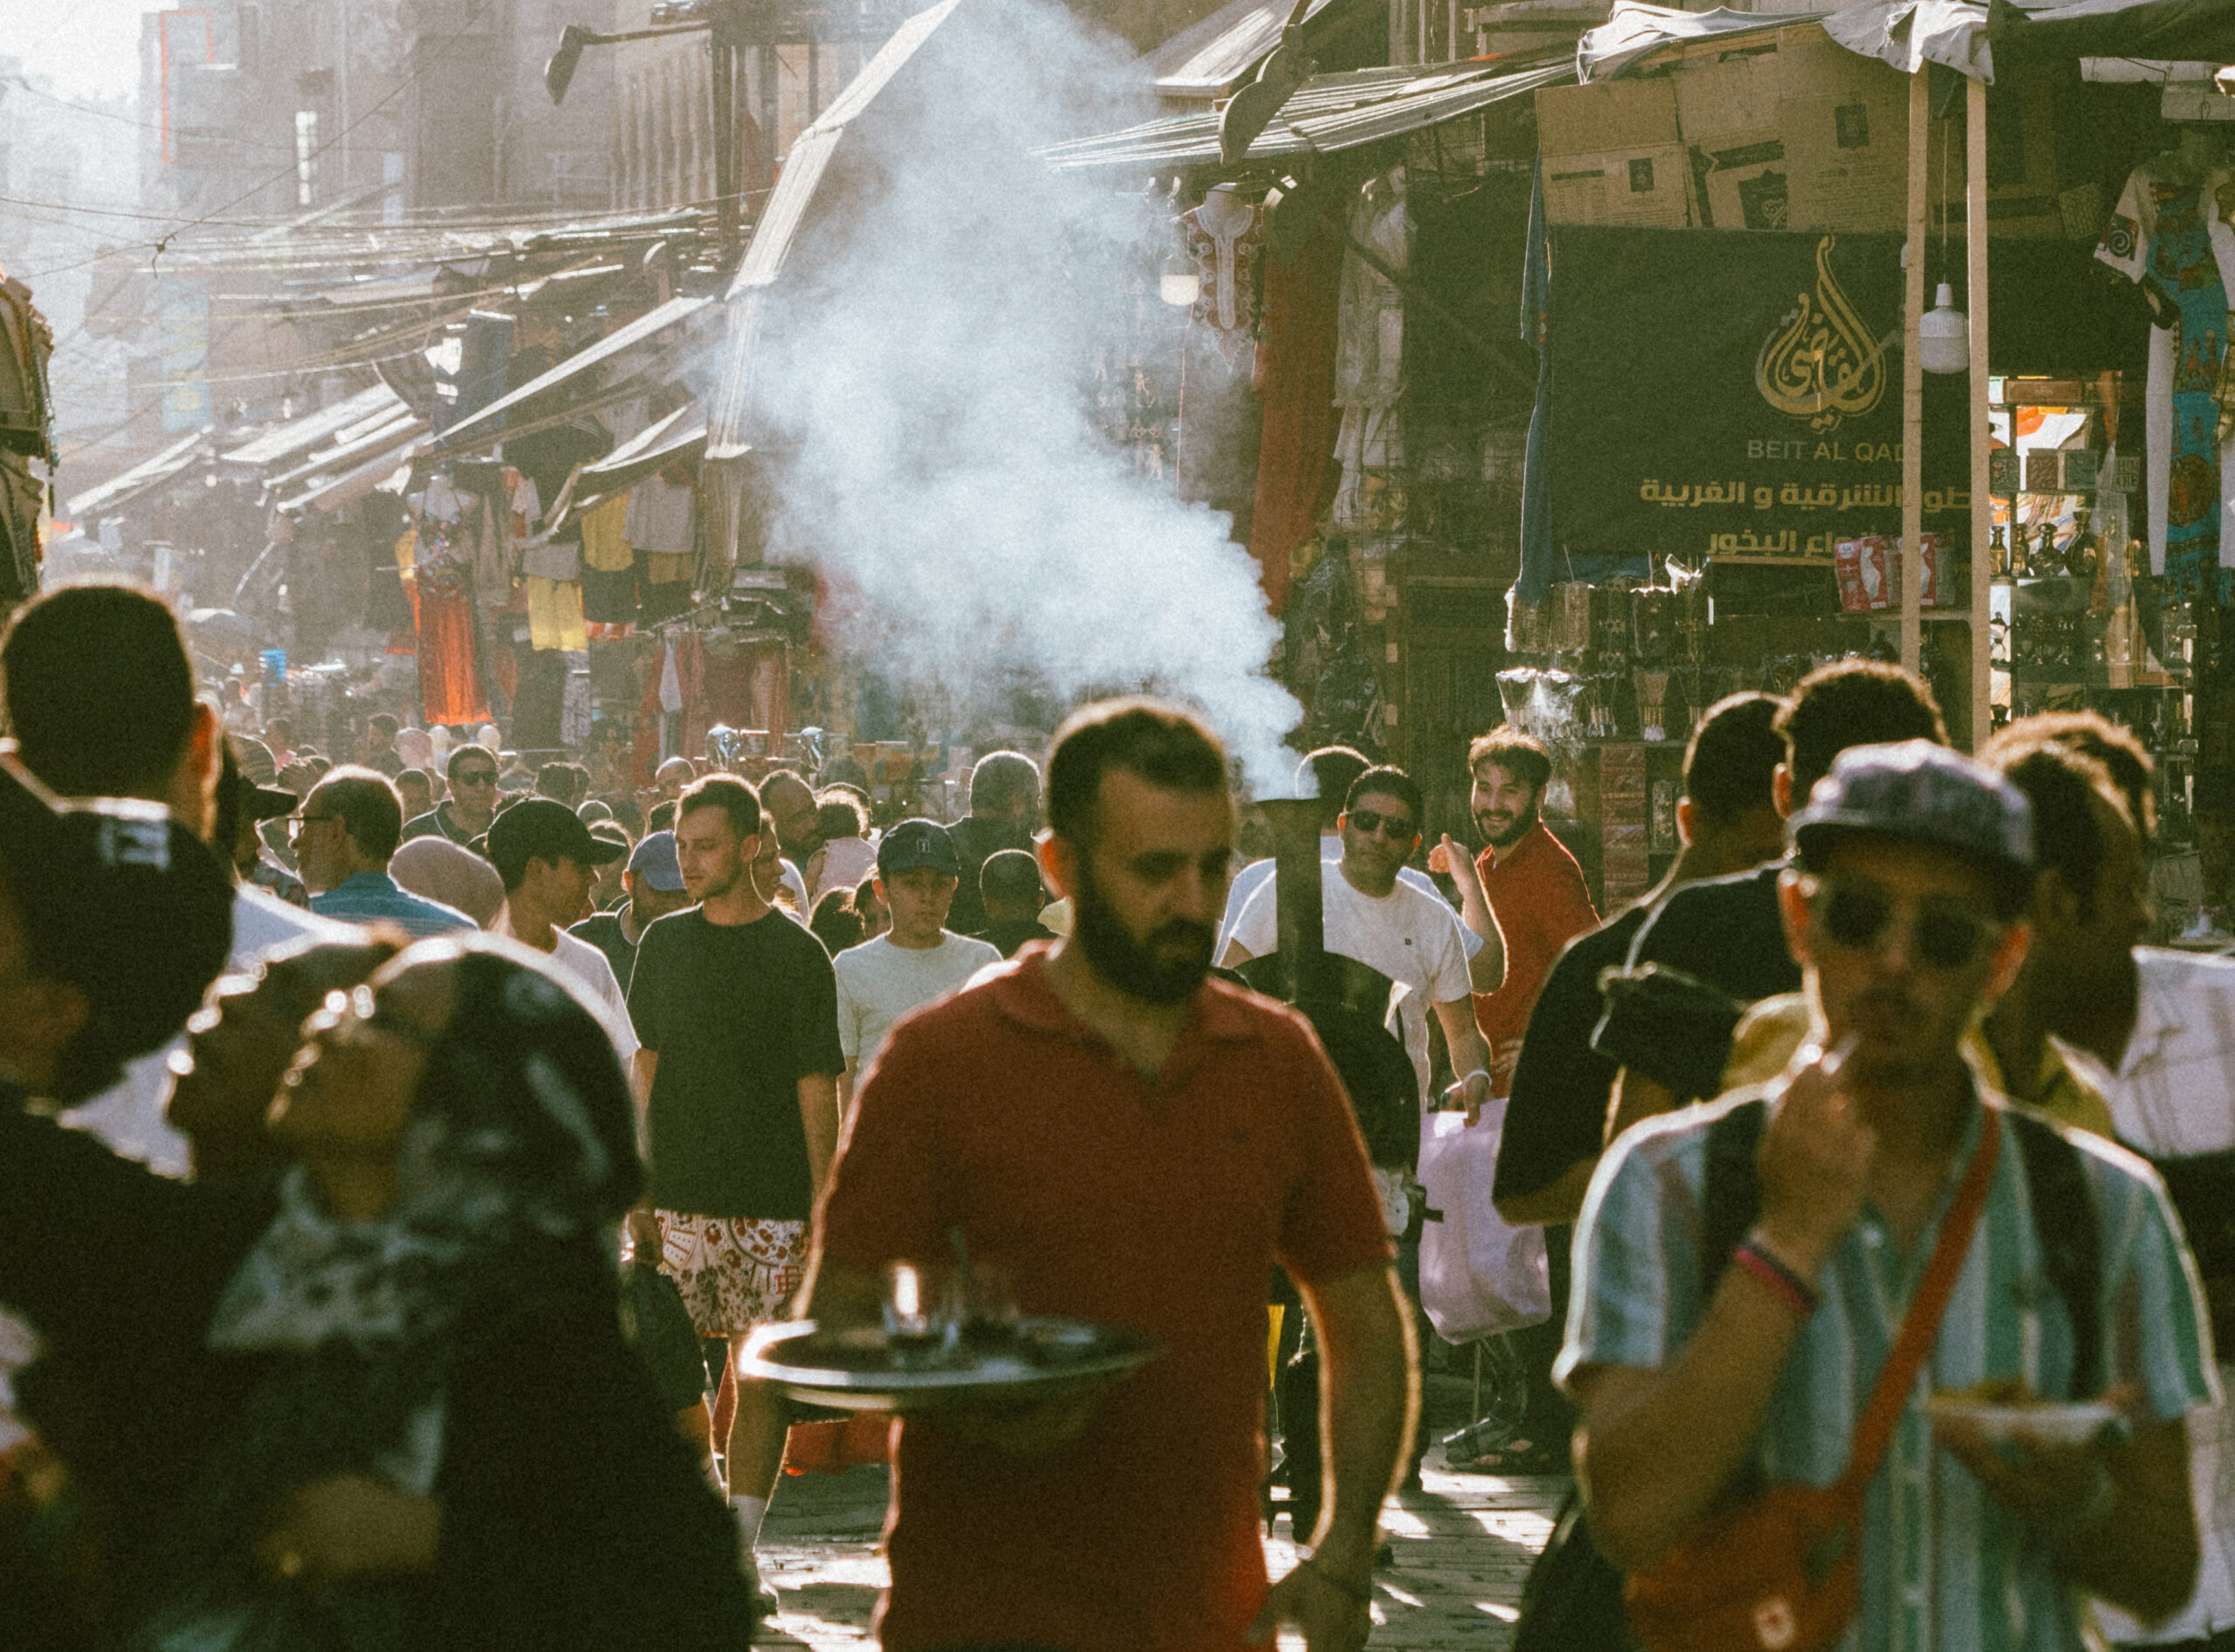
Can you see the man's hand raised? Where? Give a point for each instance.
(1815, 1161)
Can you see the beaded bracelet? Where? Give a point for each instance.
(1787, 1285)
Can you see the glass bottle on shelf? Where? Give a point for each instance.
(1997, 553)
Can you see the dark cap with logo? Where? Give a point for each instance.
(544, 827)
(917, 843)
(1925, 793)
(120, 902)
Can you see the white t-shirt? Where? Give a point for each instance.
(585, 967)
(1411, 937)
(128, 1115)
(1258, 873)
(879, 982)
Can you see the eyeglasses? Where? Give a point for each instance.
(475, 777)
(296, 822)
(1366, 823)
(1859, 917)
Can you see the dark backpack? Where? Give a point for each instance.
(1572, 1599)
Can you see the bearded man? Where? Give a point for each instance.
(1133, 1144)
(1531, 883)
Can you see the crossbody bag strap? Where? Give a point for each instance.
(1921, 1326)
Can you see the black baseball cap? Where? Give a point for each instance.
(121, 902)
(543, 826)
(917, 843)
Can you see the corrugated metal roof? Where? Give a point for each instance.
(1209, 58)
(352, 443)
(313, 428)
(150, 472)
(1328, 112)
(332, 488)
(645, 326)
(787, 204)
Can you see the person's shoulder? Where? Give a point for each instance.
(859, 959)
(596, 924)
(1677, 1141)
(2113, 1168)
(427, 825)
(1710, 898)
(262, 921)
(1234, 1012)
(669, 930)
(974, 949)
(434, 910)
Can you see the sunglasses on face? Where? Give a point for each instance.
(1859, 917)
(477, 777)
(1366, 823)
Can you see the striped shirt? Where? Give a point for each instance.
(1942, 1567)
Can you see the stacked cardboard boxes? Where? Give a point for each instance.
(1789, 130)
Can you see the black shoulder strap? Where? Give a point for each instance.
(1732, 1202)
(2070, 1235)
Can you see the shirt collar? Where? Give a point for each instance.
(380, 881)
(1023, 992)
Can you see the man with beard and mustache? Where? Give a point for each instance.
(1531, 881)
(1137, 1144)
(1913, 867)
(737, 1009)
(1414, 939)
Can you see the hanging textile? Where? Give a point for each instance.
(691, 677)
(727, 686)
(605, 547)
(1369, 362)
(644, 745)
(660, 516)
(1225, 234)
(2168, 228)
(434, 556)
(554, 616)
(574, 703)
(1296, 385)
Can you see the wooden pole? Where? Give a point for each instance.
(1912, 384)
(1975, 303)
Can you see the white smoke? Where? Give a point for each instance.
(923, 379)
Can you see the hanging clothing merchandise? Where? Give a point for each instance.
(1296, 369)
(574, 704)
(1370, 357)
(2169, 231)
(554, 615)
(605, 547)
(437, 554)
(1225, 234)
(660, 516)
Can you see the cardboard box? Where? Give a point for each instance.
(1606, 115)
(1728, 114)
(1648, 188)
(1844, 120)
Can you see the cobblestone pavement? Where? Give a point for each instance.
(1462, 1544)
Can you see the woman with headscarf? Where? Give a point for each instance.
(420, 1425)
(451, 1445)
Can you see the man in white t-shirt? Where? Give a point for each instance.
(1414, 939)
(1328, 775)
(918, 958)
(549, 860)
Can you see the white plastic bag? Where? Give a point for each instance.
(1479, 1276)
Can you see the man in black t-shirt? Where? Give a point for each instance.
(1555, 1117)
(1729, 932)
(736, 1008)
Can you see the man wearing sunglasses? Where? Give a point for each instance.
(472, 803)
(1912, 867)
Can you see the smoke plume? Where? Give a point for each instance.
(920, 384)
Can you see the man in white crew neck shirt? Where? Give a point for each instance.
(915, 962)
(549, 860)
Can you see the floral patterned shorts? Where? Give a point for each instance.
(734, 1272)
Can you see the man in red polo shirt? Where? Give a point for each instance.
(1535, 889)
(1137, 1144)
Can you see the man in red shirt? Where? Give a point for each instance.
(1535, 889)
(1136, 1145)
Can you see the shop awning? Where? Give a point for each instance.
(681, 435)
(1328, 112)
(791, 208)
(540, 393)
(299, 435)
(384, 434)
(1956, 34)
(1209, 59)
(343, 479)
(149, 474)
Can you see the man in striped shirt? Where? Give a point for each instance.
(1913, 864)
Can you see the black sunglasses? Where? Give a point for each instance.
(1858, 917)
(477, 777)
(1365, 821)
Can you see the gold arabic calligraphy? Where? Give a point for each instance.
(1819, 364)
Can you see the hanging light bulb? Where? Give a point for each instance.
(1179, 283)
(1944, 336)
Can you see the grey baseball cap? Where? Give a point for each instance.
(654, 860)
(1925, 793)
